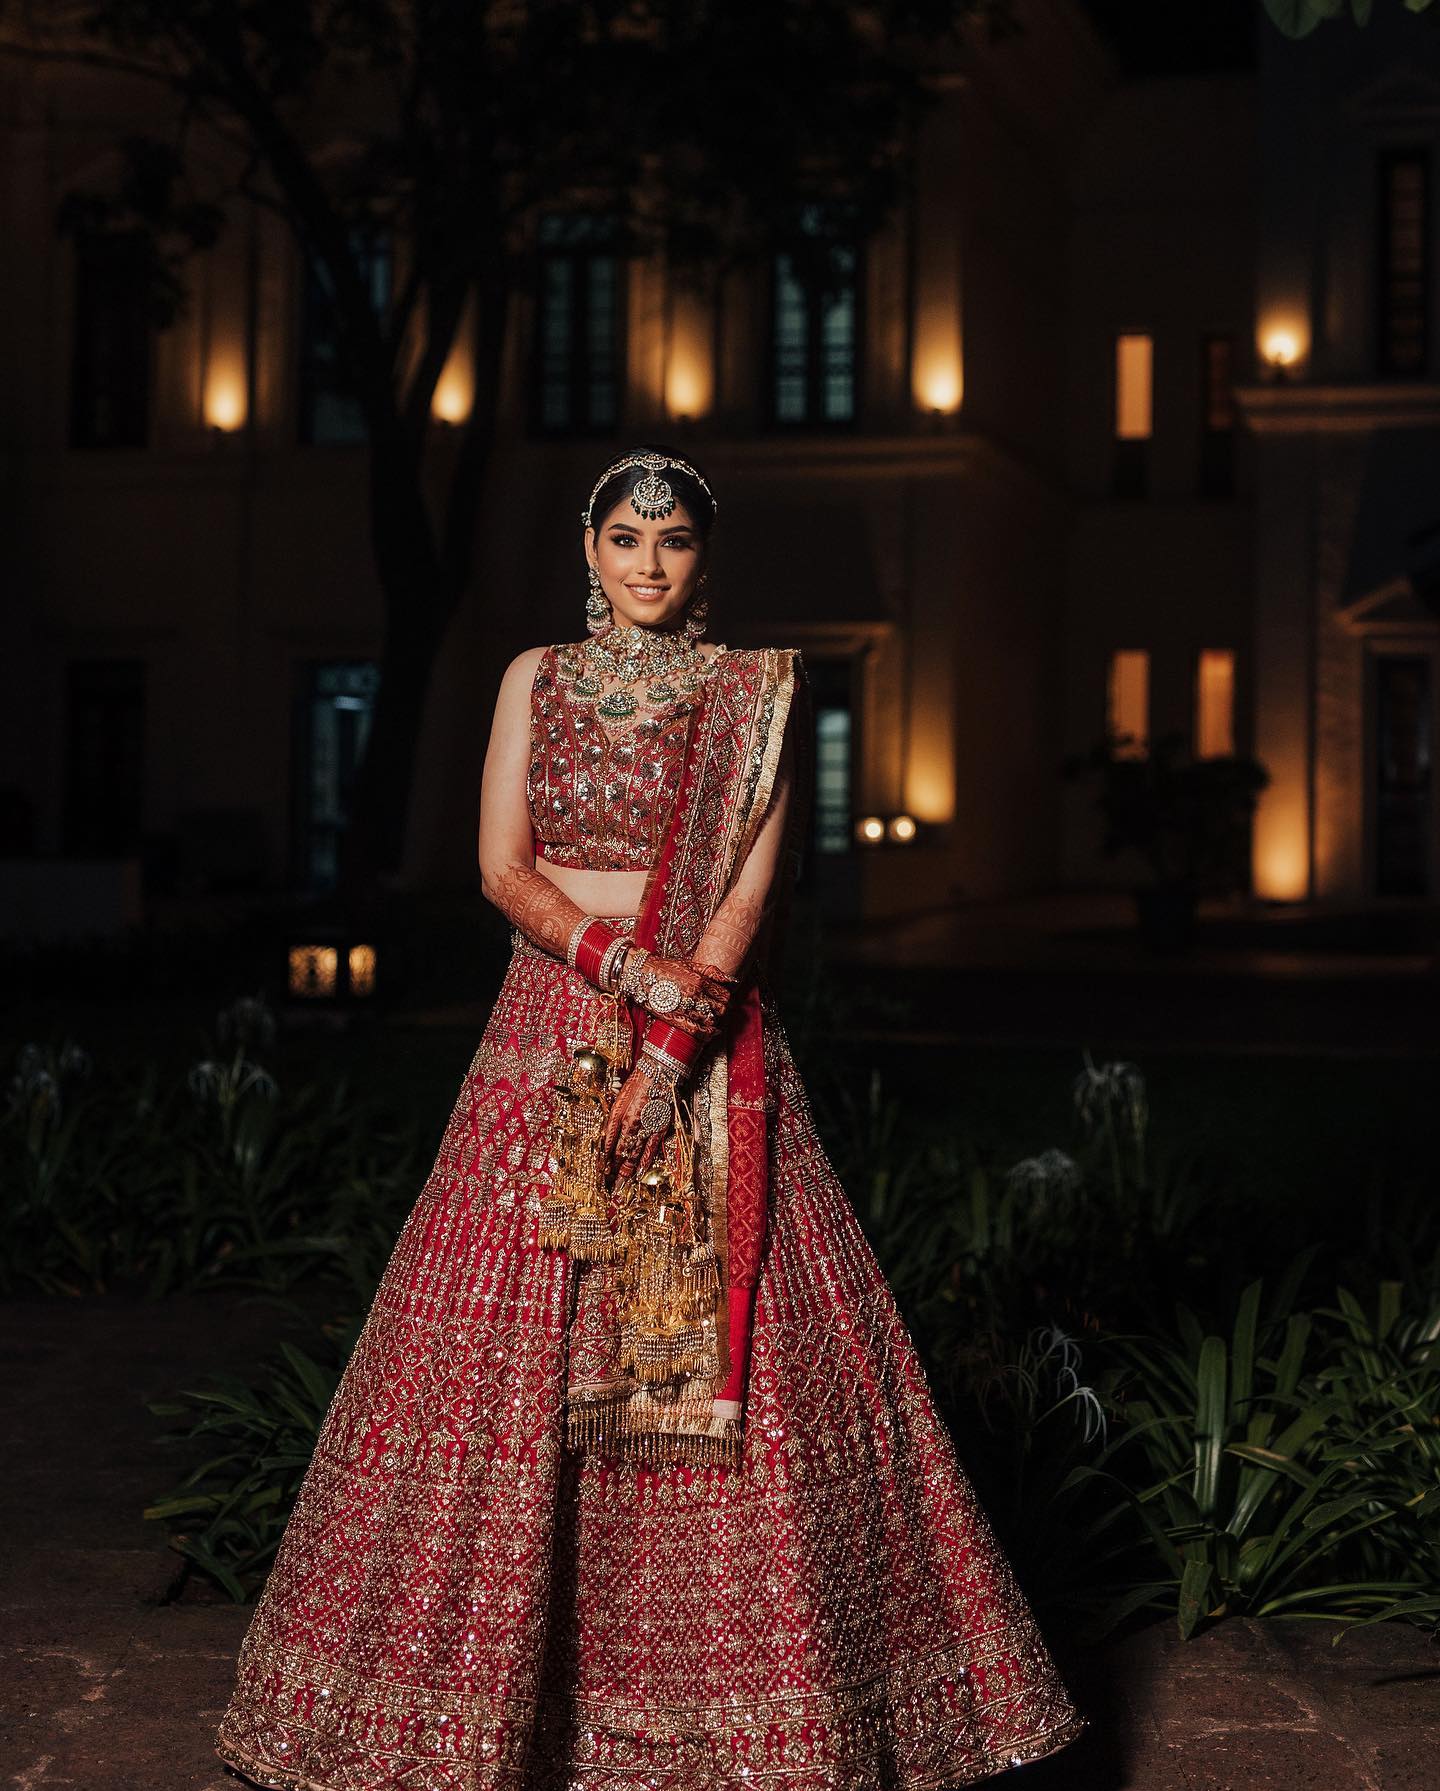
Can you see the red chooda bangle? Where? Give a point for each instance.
(673, 1040)
(590, 948)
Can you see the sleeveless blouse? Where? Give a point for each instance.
(600, 792)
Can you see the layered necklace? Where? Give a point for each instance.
(671, 664)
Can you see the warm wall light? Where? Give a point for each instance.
(687, 389)
(225, 399)
(937, 386)
(1134, 374)
(901, 828)
(454, 394)
(928, 788)
(937, 358)
(1281, 867)
(870, 830)
(688, 368)
(1283, 341)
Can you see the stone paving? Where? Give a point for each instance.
(108, 1688)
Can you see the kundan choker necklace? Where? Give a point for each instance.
(627, 655)
(640, 652)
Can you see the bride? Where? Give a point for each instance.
(634, 1478)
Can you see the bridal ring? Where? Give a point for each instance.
(663, 996)
(654, 1115)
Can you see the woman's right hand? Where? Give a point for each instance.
(626, 1145)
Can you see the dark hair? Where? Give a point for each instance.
(697, 501)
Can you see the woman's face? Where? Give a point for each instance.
(648, 570)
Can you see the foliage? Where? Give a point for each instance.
(1223, 1456)
(1188, 818)
(227, 1516)
(1298, 18)
(1290, 1468)
(221, 1177)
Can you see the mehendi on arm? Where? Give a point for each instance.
(530, 901)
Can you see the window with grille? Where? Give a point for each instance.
(815, 328)
(833, 685)
(330, 411)
(579, 306)
(336, 705)
(1403, 775)
(1217, 414)
(1404, 266)
(110, 360)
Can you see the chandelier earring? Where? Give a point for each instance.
(699, 610)
(598, 613)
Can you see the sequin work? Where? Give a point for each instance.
(599, 790)
(463, 1604)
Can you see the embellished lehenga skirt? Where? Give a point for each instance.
(462, 1601)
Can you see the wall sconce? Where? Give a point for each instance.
(940, 392)
(877, 830)
(687, 388)
(1280, 350)
(225, 404)
(452, 400)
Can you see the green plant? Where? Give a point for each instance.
(111, 1181)
(1186, 818)
(1277, 1485)
(228, 1514)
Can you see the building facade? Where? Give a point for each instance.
(1124, 421)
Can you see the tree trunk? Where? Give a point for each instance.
(423, 574)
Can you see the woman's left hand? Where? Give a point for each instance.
(626, 1144)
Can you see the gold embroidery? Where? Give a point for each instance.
(462, 1603)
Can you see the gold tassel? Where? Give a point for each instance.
(669, 1281)
(573, 1211)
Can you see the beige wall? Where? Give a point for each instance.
(974, 562)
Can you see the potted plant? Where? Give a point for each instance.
(1188, 818)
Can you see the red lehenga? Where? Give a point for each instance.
(466, 1601)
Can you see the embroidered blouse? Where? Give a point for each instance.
(600, 790)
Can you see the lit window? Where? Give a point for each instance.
(814, 328)
(1127, 720)
(832, 779)
(1215, 703)
(1134, 357)
(1404, 260)
(577, 345)
(1218, 352)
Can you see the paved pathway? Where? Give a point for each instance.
(106, 1688)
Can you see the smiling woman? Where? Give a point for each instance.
(634, 1478)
